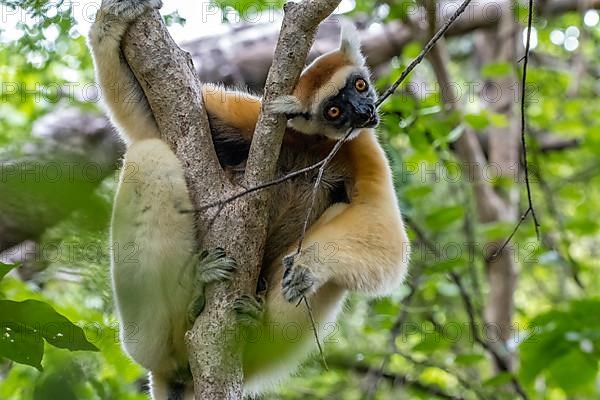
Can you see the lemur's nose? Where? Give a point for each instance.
(365, 112)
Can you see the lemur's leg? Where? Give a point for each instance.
(359, 246)
(356, 246)
(120, 91)
(158, 276)
(284, 335)
(153, 255)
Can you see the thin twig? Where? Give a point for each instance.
(530, 208)
(423, 53)
(523, 122)
(265, 185)
(315, 332)
(509, 238)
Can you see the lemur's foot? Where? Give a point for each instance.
(212, 266)
(215, 266)
(298, 279)
(129, 9)
(249, 309)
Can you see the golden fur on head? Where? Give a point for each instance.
(324, 72)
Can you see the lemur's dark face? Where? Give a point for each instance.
(353, 107)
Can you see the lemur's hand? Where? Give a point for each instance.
(300, 277)
(129, 10)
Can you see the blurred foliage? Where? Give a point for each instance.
(44, 64)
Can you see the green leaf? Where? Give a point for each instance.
(455, 133)
(573, 371)
(431, 341)
(496, 230)
(412, 49)
(498, 120)
(5, 269)
(21, 345)
(469, 358)
(446, 265)
(444, 216)
(416, 192)
(477, 121)
(385, 306)
(500, 379)
(418, 139)
(495, 70)
(32, 321)
(557, 340)
(539, 351)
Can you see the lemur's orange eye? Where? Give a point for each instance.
(333, 112)
(360, 85)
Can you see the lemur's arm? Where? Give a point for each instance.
(120, 91)
(234, 108)
(358, 246)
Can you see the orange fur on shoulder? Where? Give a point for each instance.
(237, 109)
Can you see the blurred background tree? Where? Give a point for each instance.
(468, 324)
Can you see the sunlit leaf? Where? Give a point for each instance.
(477, 121)
(5, 269)
(32, 321)
(442, 217)
(496, 70)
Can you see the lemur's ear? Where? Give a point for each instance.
(286, 105)
(350, 43)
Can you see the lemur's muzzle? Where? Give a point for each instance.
(364, 115)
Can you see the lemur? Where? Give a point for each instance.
(356, 239)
